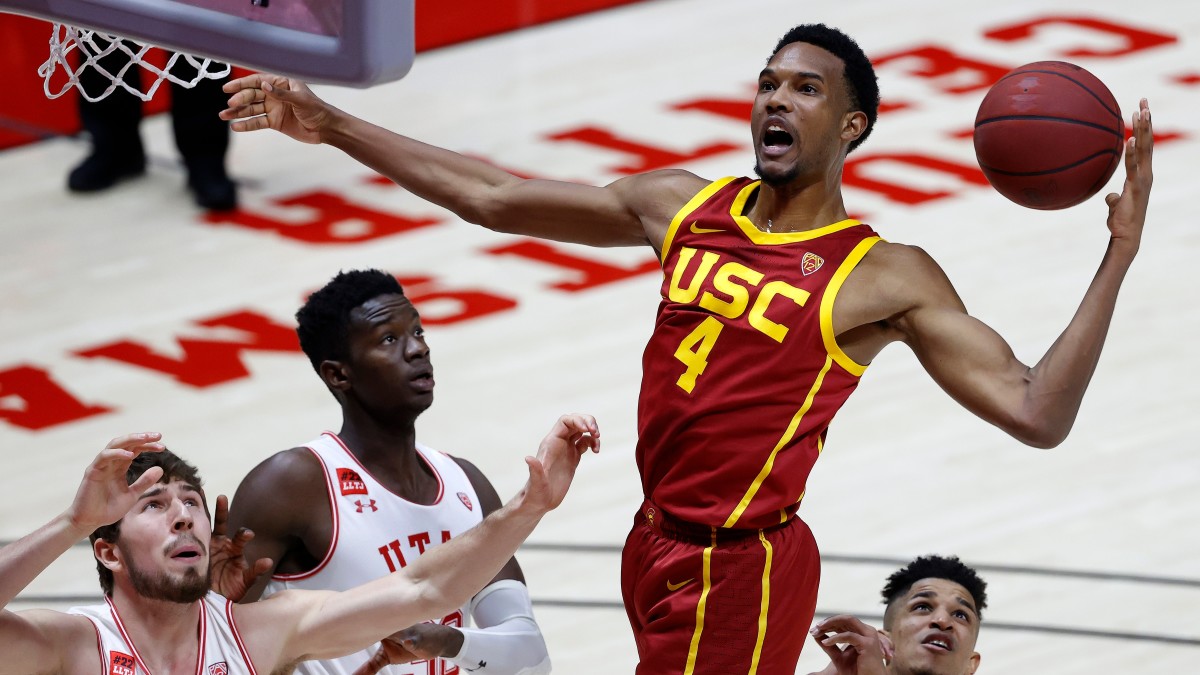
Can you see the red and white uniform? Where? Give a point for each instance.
(376, 532)
(221, 651)
(741, 379)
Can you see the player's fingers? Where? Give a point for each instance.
(250, 124)
(376, 663)
(150, 477)
(251, 81)
(130, 441)
(220, 516)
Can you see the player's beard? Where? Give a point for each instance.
(185, 589)
(777, 178)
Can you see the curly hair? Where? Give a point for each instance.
(934, 567)
(860, 80)
(323, 323)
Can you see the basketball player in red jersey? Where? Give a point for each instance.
(774, 302)
(147, 516)
(354, 506)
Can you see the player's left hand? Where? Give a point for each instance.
(1127, 211)
(550, 474)
(422, 642)
(232, 574)
(854, 648)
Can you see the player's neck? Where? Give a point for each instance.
(390, 455)
(165, 634)
(796, 207)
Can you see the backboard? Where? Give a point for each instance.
(349, 42)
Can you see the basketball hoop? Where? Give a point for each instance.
(94, 45)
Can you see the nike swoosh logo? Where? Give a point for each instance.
(702, 230)
(674, 587)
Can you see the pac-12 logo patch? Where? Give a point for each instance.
(810, 262)
(218, 668)
(462, 497)
(351, 483)
(120, 664)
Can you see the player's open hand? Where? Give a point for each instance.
(1127, 211)
(263, 101)
(854, 648)
(422, 642)
(550, 474)
(105, 496)
(232, 574)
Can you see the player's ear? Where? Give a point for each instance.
(107, 554)
(974, 664)
(854, 124)
(336, 375)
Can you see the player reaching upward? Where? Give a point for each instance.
(148, 517)
(354, 506)
(774, 302)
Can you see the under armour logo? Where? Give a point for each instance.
(361, 506)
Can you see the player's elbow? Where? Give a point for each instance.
(1044, 433)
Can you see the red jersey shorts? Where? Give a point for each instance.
(707, 601)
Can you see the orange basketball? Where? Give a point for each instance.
(1049, 135)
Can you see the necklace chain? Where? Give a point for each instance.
(770, 225)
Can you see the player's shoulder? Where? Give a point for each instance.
(890, 260)
(288, 469)
(661, 185)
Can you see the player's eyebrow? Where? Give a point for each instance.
(803, 74)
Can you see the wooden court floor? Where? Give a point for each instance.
(132, 310)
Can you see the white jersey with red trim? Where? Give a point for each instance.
(221, 650)
(376, 532)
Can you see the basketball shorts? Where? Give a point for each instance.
(709, 601)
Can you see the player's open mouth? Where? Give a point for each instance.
(939, 643)
(776, 139)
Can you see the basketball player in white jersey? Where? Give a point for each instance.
(148, 518)
(350, 507)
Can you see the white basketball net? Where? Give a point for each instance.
(93, 45)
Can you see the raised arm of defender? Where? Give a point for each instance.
(631, 211)
(301, 625)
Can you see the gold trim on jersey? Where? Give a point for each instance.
(773, 238)
(763, 606)
(787, 437)
(694, 649)
(693, 204)
(831, 291)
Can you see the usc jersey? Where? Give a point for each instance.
(742, 374)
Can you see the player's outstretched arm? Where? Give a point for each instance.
(43, 641)
(1037, 405)
(632, 211)
(297, 625)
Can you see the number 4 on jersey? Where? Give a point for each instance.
(694, 349)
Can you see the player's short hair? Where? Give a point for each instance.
(323, 323)
(174, 468)
(861, 83)
(933, 567)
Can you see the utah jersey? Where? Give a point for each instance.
(743, 373)
(220, 652)
(376, 532)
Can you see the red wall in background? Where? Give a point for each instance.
(26, 115)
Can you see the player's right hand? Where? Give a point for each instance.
(422, 642)
(550, 474)
(853, 647)
(104, 496)
(264, 101)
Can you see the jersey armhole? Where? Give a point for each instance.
(335, 525)
(693, 204)
(827, 300)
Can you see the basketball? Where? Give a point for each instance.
(1049, 135)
